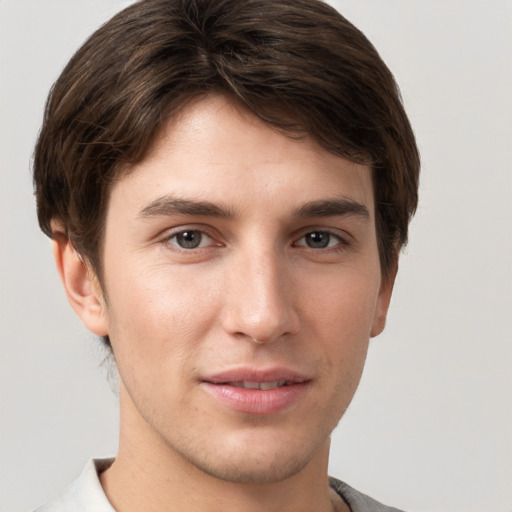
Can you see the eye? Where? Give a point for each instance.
(190, 239)
(319, 240)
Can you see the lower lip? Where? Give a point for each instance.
(256, 401)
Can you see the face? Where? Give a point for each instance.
(241, 284)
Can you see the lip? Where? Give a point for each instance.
(256, 401)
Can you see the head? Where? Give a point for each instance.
(299, 79)
(297, 65)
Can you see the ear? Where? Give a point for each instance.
(81, 285)
(384, 298)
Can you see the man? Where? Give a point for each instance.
(228, 184)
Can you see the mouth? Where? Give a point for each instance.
(257, 392)
(247, 384)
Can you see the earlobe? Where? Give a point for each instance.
(385, 292)
(81, 286)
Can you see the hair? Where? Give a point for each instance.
(298, 65)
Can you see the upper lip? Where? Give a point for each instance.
(248, 374)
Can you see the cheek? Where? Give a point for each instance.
(157, 314)
(343, 317)
(347, 305)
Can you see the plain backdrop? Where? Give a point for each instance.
(430, 428)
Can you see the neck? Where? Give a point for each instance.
(151, 476)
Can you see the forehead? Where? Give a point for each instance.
(216, 150)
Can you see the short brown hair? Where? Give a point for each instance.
(296, 64)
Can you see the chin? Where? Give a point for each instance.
(257, 459)
(249, 471)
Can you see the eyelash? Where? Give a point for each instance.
(341, 244)
(183, 232)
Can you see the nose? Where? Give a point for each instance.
(259, 297)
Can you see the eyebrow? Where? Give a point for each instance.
(169, 205)
(333, 207)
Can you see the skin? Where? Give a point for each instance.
(259, 291)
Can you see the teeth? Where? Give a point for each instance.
(250, 385)
(269, 385)
(259, 385)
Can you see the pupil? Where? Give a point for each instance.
(318, 239)
(189, 239)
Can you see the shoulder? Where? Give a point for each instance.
(85, 494)
(357, 501)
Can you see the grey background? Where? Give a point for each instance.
(430, 427)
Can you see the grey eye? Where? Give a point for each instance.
(319, 240)
(189, 239)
